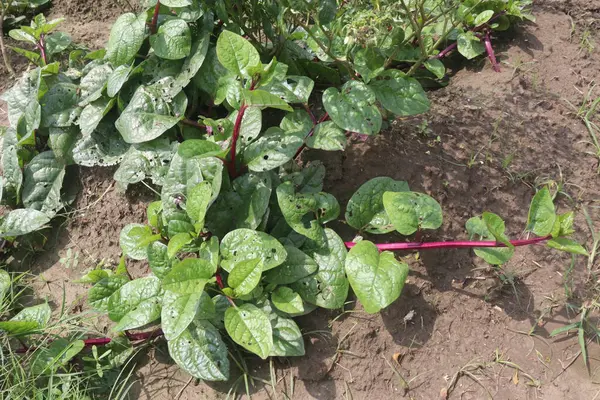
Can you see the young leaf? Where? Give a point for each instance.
(412, 211)
(117, 79)
(264, 99)
(237, 54)
(43, 178)
(288, 301)
(296, 266)
(246, 244)
(249, 327)
(245, 276)
(287, 338)
(22, 221)
(563, 225)
(476, 227)
(353, 108)
(178, 312)
(400, 94)
(469, 45)
(365, 210)
(483, 17)
(126, 38)
(177, 242)
(57, 354)
(568, 245)
(496, 227)
(198, 200)
(327, 136)
(201, 352)
(158, 259)
(100, 293)
(173, 40)
(136, 303)
(377, 279)
(273, 149)
(541, 213)
(134, 240)
(188, 276)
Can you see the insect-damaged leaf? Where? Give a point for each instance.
(246, 244)
(173, 40)
(353, 108)
(250, 327)
(136, 303)
(412, 211)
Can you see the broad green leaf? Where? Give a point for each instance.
(400, 94)
(158, 259)
(436, 67)
(369, 63)
(117, 79)
(563, 225)
(5, 284)
(376, 278)
(22, 221)
(178, 312)
(47, 359)
(20, 97)
(192, 63)
(213, 77)
(250, 327)
(250, 127)
(148, 115)
(305, 212)
(328, 288)
(469, 45)
(153, 213)
(198, 148)
(92, 85)
(43, 178)
(100, 293)
(286, 300)
(17, 328)
(59, 105)
(57, 42)
(237, 54)
(134, 240)
(287, 338)
(476, 227)
(95, 276)
(273, 149)
(209, 251)
(173, 40)
(297, 123)
(40, 314)
(264, 99)
(353, 108)
(93, 113)
(365, 210)
(245, 276)
(246, 244)
(541, 213)
(309, 179)
(198, 201)
(201, 352)
(104, 147)
(126, 38)
(327, 136)
(483, 17)
(178, 242)
(11, 169)
(412, 211)
(136, 303)
(188, 276)
(496, 227)
(568, 245)
(22, 36)
(62, 141)
(293, 89)
(296, 266)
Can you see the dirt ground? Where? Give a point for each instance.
(488, 141)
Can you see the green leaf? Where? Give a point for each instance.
(237, 54)
(327, 136)
(100, 293)
(293, 89)
(563, 225)
(353, 108)
(264, 99)
(496, 227)
(365, 210)
(153, 212)
(92, 85)
(198, 201)
(436, 67)
(134, 240)
(250, 127)
(43, 178)
(273, 149)
(62, 141)
(173, 40)
(57, 42)
(328, 288)
(136, 303)
(17, 328)
(305, 212)
(198, 148)
(288, 301)
(287, 338)
(209, 251)
(246, 244)
(249, 327)
(39, 314)
(400, 94)
(568, 245)
(412, 211)
(176, 3)
(201, 352)
(148, 114)
(117, 79)
(376, 279)
(245, 276)
(188, 276)
(541, 213)
(476, 227)
(5, 285)
(178, 242)
(483, 17)
(11, 169)
(59, 105)
(95, 276)
(57, 354)
(158, 259)
(178, 312)
(21, 96)
(22, 221)
(126, 38)
(93, 113)
(296, 266)
(104, 147)
(192, 63)
(297, 123)
(469, 45)
(369, 63)
(22, 36)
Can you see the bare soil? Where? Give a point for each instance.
(458, 331)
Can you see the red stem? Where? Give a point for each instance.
(490, 51)
(310, 133)
(452, 245)
(447, 50)
(42, 47)
(236, 133)
(310, 114)
(155, 17)
(190, 122)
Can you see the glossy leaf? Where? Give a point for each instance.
(246, 244)
(287, 338)
(400, 94)
(134, 240)
(542, 214)
(353, 108)
(237, 54)
(286, 300)
(126, 38)
(43, 179)
(178, 312)
(250, 327)
(245, 276)
(173, 40)
(296, 266)
(188, 276)
(136, 303)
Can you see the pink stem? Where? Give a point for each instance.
(42, 47)
(155, 17)
(310, 133)
(236, 133)
(490, 51)
(447, 50)
(452, 245)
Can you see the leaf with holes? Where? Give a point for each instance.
(411, 211)
(273, 149)
(400, 94)
(188, 276)
(43, 179)
(246, 244)
(250, 327)
(353, 108)
(178, 312)
(245, 276)
(296, 266)
(136, 303)
(327, 136)
(173, 40)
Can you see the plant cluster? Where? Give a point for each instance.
(213, 102)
